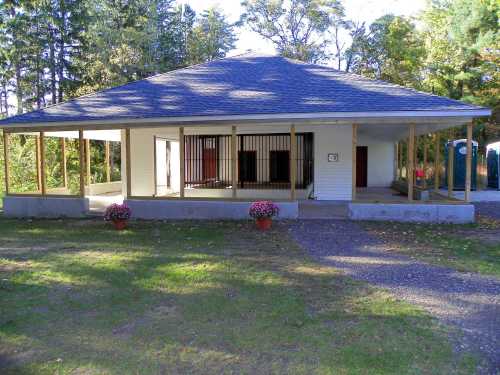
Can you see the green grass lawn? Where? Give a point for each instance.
(183, 298)
(473, 248)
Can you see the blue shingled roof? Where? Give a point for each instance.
(244, 85)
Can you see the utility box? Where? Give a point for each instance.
(493, 165)
(460, 162)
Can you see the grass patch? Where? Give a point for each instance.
(201, 298)
(468, 248)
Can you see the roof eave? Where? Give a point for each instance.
(334, 117)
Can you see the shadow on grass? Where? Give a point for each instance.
(191, 297)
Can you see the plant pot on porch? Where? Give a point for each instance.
(120, 224)
(264, 223)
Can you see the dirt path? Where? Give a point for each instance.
(465, 300)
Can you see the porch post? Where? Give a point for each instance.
(42, 164)
(234, 161)
(354, 159)
(107, 157)
(81, 144)
(64, 168)
(425, 166)
(411, 161)
(38, 165)
(6, 160)
(182, 162)
(451, 157)
(87, 163)
(437, 162)
(468, 165)
(396, 161)
(127, 163)
(293, 162)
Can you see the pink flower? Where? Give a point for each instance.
(117, 212)
(263, 210)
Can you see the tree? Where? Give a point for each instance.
(298, 28)
(390, 50)
(212, 37)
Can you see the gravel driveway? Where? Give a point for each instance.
(468, 301)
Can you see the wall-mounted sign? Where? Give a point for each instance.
(333, 158)
(463, 150)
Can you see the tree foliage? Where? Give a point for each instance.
(298, 29)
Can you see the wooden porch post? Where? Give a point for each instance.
(64, 168)
(38, 164)
(234, 161)
(81, 146)
(411, 161)
(468, 165)
(127, 163)
(293, 162)
(396, 161)
(437, 162)
(6, 160)
(425, 166)
(451, 157)
(42, 164)
(182, 162)
(87, 163)
(108, 161)
(354, 159)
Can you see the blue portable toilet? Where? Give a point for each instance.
(459, 163)
(493, 165)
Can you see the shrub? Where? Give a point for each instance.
(263, 210)
(117, 212)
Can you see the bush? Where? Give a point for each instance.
(263, 210)
(117, 212)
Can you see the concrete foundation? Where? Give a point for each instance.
(185, 209)
(45, 207)
(419, 213)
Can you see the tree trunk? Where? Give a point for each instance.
(52, 65)
(19, 89)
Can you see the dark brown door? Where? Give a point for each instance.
(247, 166)
(209, 164)
(362, 166)
(279, 166)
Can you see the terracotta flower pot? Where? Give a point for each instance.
(264, 223)
(120, 224)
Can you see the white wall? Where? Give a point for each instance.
(333, 180)
(380, 161)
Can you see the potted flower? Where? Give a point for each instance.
(263, 212)
(119, 214)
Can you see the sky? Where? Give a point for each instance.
(356, 10)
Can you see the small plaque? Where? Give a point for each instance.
(333, 158)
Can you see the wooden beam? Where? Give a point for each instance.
(411, 161)
(127, 163)
(401, 146)
(87, 162)
(155, 168)
(293, 162)
(234, 161)
(38, 164)
(354, 159)
(43, 179)
(396, 161)
(6, 161)
(107, 156)
(182, 162)
(468, 163)
(81, 149)
(437, 161)
(64, 167)
(425, 165)
(451, 157)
